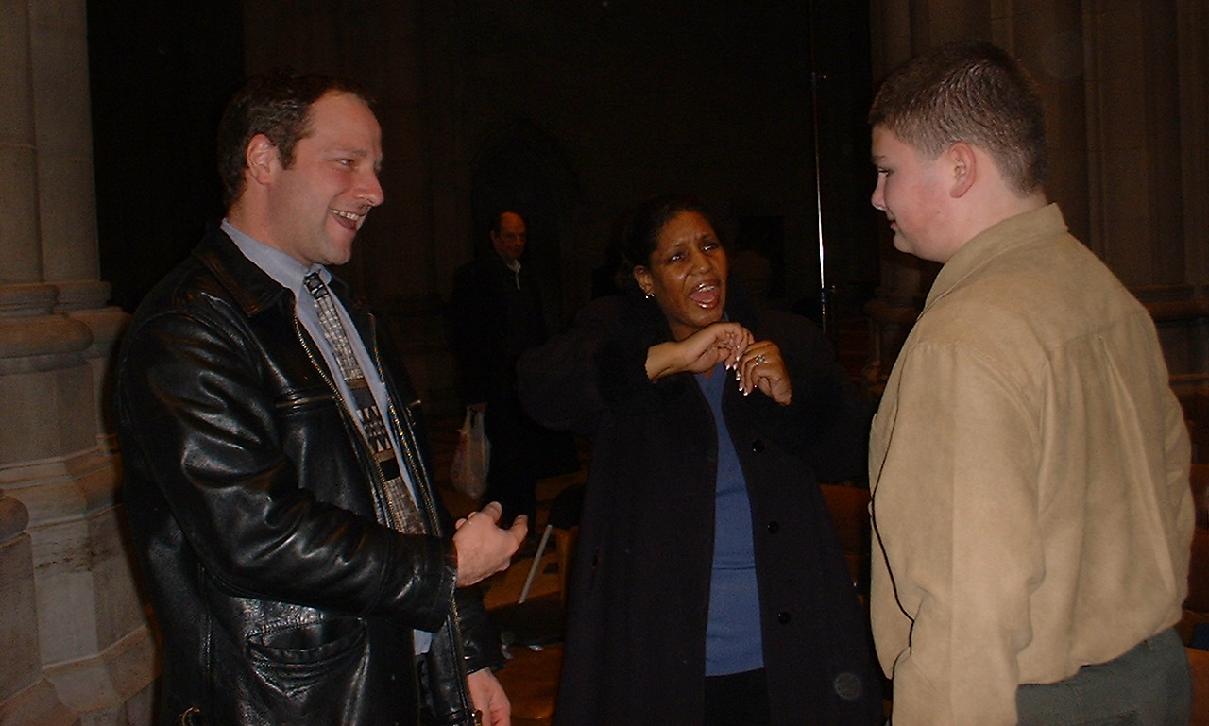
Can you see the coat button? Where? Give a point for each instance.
(848, 686)
(774, 526)
(757, 446)
(784, 617)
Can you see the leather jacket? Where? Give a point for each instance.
(250, 498)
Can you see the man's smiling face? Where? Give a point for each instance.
(318, 203)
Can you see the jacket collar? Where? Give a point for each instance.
(247, 284)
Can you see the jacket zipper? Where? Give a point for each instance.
(417, 465)
(381, 506)
(422, 487)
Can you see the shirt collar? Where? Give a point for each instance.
(1021, 230)
(514, 265)
(286, 270)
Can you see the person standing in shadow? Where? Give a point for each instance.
(496, 313)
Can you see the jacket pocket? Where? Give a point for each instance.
(293, 659)
(305, 399)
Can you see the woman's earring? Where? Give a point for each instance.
(648, 295)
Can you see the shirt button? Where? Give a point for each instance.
(757, 446)
(774, 527)
(784, 617)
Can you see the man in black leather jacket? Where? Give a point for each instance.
(287, 587)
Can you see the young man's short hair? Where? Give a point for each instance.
(972, 92)
(278, 105)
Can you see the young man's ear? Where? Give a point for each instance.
(260, 157)
(965, 168)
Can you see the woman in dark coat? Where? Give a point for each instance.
(708, 586)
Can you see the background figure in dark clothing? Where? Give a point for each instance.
(497, 313)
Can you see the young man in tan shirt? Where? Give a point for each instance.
(1029, 463)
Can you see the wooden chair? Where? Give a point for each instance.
(1196, 612)
(564, 546)
(849, 509)
(1198, 663)
(530, 678)
(1199, 481)
(1196, 606)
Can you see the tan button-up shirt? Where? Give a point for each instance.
(1029, 466)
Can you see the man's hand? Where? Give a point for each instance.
(484, 549)
(489, 698)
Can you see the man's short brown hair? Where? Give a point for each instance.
(971, 92)
(278, 105)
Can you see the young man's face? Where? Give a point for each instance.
(317, 205)
(912, 191)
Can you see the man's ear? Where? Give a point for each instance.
(643, 277)
(261, 158)
(964, 163)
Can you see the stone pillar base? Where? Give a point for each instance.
(25, 696)
(34, 706)
(113, 687)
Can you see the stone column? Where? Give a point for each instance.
(1133, 141)
(25, 694)
(91, 647)
(1192, 21)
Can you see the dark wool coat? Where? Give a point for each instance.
(635, 649)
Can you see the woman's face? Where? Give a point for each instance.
(686, 273)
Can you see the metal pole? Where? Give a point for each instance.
(815, 77)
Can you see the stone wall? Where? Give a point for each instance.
(76, 647)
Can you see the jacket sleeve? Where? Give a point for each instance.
(198, 425)
(954, 509)
(480, 638)
(568, 382)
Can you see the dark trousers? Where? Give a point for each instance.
(1150, 685)
(737, 699)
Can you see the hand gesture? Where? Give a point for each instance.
(762, 367)
(482, 548)
(718, 343)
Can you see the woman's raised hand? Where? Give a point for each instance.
(762, 367)
(718, 343)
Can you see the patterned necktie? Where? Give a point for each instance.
(401, 511)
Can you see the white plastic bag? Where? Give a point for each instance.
(471, 457)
